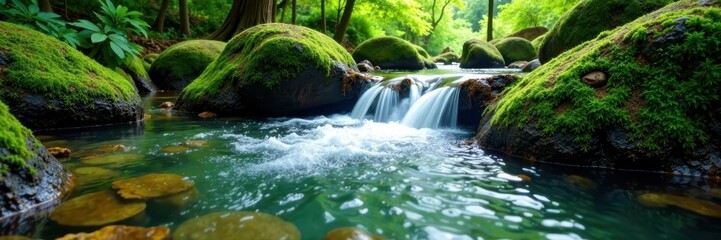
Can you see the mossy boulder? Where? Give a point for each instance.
(447, 58)
(274, 70)
(515, 49)
(29, 175)
(48, 84)
(589, 18)
(393, 53)
(529, 34)
(481, 54)
(643, 97)
(537, 42)
(138, 73)
(183, 62)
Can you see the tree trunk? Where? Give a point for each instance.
(338, 12)
(294, 16)
(184, 17)
(322, 15)
(490, 21)
(244, 14)
(343, 25)
(45, 6)
(275, 9)
(160, 20)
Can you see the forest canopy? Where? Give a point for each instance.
(432, 24)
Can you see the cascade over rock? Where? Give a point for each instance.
(632, 99)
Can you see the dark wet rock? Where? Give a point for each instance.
(393, 53)
(532, 65)
(552, 116)
(29, 175)
(518, 64)
(320, 79)
(481, 54)
(653, 49)
(477, 93)
(365, 66)
(139, 74)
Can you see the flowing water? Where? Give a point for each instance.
(375, 169)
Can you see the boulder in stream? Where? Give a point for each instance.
(658, 108)
(393, 53)
(183, 62)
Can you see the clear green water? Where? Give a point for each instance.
(321, 173)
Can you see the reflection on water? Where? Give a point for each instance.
(324, 173)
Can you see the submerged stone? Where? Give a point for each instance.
(152, 186)
(120, 232)
(658, 109)
(393, 53)
(48, 84)
(167, 105)
(96, 209)
(174, 149)
(581, 182)
(207, 114)
(59, 152)
(196, 143)
(180, 64)
(349, 233)
(275, 69)
(91, 174)
(237, 225)
(111, 159)
(701, 207)
(175, 203)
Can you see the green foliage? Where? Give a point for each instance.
(449, 33)
(360, 27)
(13, 141)
(49, 23)
(662, 102)
(110, 44)
(46, 67)
(268, 54)
(516, 49)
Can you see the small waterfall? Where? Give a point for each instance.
(439, 108)
(415, 101)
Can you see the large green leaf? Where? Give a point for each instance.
(98, 37)
(85, 24)
(117, 50)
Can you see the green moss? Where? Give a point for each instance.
(537, 42)
(13, 137)
(590, 17)
(44, 66)
(186, 59)
(447, 58)
(268, 54)
(150, 57)
(136, 67)
(516, 49)
(662, 101)
(383, 50)
(480, 54)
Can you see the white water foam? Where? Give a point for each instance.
(333, 144)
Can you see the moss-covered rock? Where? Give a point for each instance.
(273, 70)
(48, 84)
(516, 49)
(393, 53)
(589, 18)
(29, 175)
(481, 54)
(658, 110)
(136, 70)
(537, 42)
(530, 34)
(447, 58)
(183, 62)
